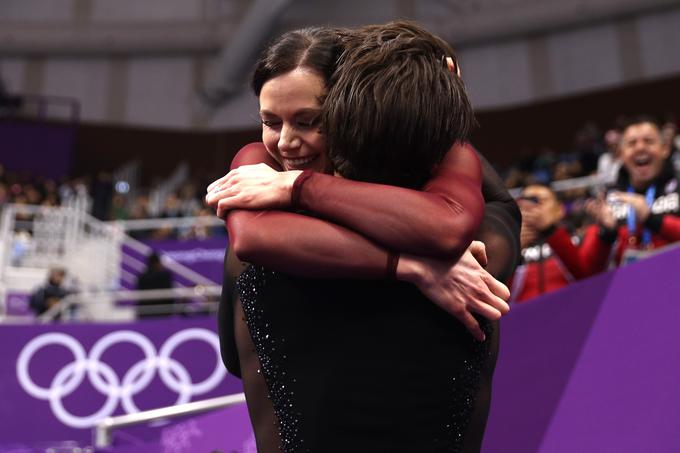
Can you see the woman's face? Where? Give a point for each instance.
(290, 114)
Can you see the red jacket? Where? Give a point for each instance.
(595, 253)
(542, 270)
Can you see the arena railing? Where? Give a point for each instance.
(69, 237)
(169, 222)
(102, 433)
(596, 183)
(83, 306)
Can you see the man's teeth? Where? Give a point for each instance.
(642, 160)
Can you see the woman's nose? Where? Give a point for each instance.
(289, 140)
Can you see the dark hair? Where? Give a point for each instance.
(394, 108)
(153, 260)
(314, 48)
(554, 194)
(640, 119)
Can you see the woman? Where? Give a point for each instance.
(372, 255)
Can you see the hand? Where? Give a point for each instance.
(461, 288)
(638, 203)
(528, 236)
(251, 187)
(528, 233)
(540, 216)
(601, 212)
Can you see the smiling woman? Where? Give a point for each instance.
(290, 114)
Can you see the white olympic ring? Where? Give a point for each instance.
(105, 380)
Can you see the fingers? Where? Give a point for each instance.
(490, 300)
(471, 325)
(498, 288)
(223, 208)
(227, 204)
(487, 310)
(478, 251)
(217, 183)
(213, 198)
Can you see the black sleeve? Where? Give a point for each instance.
(225, 318)
(500, 226)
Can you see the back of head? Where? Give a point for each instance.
(56, 275)
(314, 48)
(394, 107)
(153, 261)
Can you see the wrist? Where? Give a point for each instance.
(286, 183)
(296, 188)
(409, 270)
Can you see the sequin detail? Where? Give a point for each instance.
(465, 388)
(249, 286)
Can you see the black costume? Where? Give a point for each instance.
(349, 363)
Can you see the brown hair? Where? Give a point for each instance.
(314, 48)
(394, 108)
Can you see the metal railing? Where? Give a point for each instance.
(36, 238)
(102, 432)
(172, 222)
(584, 182)
(88, 302)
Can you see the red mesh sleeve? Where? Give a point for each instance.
(440, 221)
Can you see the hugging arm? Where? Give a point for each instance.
(306, 246)
(439, 221)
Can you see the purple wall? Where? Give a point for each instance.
(38, 148)
(591, 368)
(594, 367)
(58, 379)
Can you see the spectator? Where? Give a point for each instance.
(541, 271)
(118, 207)
(609, 163)
(156, 276)
(50, 294)
(641, 211)
(102, 193)
(9, 104)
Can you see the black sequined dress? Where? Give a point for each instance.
(359, 366)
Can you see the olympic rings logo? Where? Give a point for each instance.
(105, 380)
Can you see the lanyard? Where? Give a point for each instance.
(650, 195)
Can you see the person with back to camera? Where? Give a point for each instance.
(641, 211)
(356, 257)
(49, 295)
(155, 276)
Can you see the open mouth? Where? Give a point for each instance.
(642, 160)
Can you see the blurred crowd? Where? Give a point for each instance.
(110, 200)
(630, 211)
(627, 208)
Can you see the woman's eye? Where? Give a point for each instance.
(270, 123)
(309, 124)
